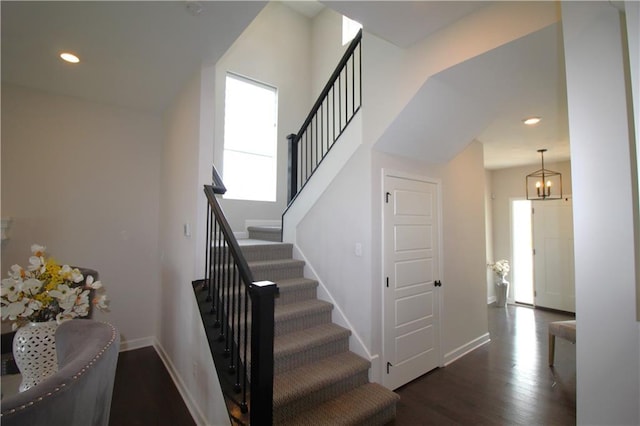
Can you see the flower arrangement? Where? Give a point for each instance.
(47, 291)
(501, 267)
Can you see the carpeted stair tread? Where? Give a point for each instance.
(267, 233)
(294, 290)
(270, 264)
(359, 406)
(309, 378)
(276, 270)
(294, 349)
(297, 316)
(296, 310)
(267, 251)
(298, 341)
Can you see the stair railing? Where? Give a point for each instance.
(238, 317)
(337, 104)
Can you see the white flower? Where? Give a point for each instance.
(16, 272)
(93, 284)
(69, 274)
(31, 286)
(14, 309)
(46, 290)
(501, 267)
(10, 289)
(66, 296)
(38, 250)
(101, 301)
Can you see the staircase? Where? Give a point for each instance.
(317, 380)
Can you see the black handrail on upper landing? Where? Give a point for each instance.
(332, 112)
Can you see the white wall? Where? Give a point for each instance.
(506, 185)
(83, 179)
(274, 49)
(182, 339)
(326, 48)
(608, 371)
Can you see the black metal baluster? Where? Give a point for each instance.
(244, 406)
(224, 301)
(232, 331)
(207, 252)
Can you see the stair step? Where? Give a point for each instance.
(303, 388)
(309, 345)
(266, 233)
(299, 316)
(370, 404)
(295, 290)
(266, 251)
(276, 270)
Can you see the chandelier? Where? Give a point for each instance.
(544, 184)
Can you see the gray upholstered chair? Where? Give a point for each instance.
(80, 392)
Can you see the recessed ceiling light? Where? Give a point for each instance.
(531, 121)
(69, 57)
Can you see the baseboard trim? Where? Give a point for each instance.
(466, 348)
(491, 300)
(130, 345)
(193, 408)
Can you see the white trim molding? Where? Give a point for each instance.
(188, 399)
(466, 348)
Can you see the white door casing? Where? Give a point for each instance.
(411, 271)
(553, 258)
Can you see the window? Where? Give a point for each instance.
(349, 29)
(250, 139)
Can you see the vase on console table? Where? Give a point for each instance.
(34, 351)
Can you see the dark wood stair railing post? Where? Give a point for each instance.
(263, 295)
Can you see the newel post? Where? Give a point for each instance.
(292, 187)
(263, 294)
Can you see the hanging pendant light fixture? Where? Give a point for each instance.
(544, 184)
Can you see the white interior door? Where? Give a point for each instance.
(553, 255)
(411, 268)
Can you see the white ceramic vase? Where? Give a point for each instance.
(502, 291)
(34, 350)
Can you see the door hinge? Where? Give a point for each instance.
(387, 281)
(533, 210)
(437, 283)
(535, 293)
(386, 197)
(534, 252)
(389, 365)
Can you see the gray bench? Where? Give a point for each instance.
(563, 329)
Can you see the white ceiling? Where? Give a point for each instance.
(136, 54)
(139, 54)
(485, 98)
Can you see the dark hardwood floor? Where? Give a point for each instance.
(144, 393)
(505, 382)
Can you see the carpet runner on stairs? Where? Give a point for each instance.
(317, 380)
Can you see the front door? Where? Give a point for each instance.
(553, 255)
(411, 270)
